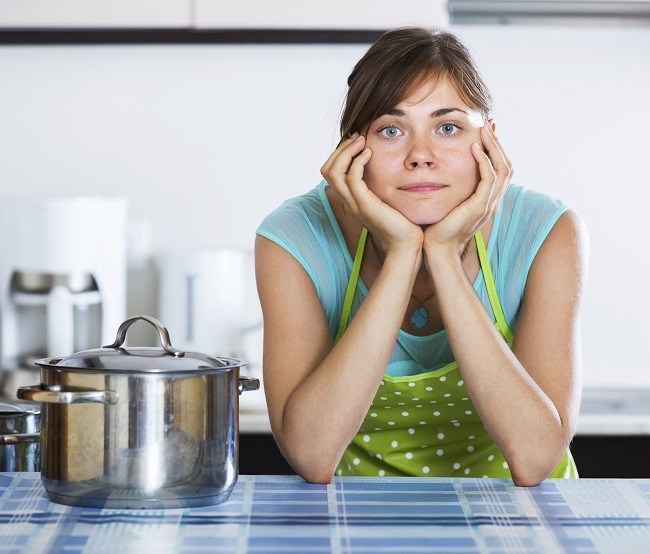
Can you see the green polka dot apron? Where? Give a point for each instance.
(423, 423)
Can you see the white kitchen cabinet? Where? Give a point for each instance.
(220, 14)
(85, 14)
(317, 14)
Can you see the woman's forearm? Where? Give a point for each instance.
(519, 416)
(324, 413)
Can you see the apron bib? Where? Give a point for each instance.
(423, 423)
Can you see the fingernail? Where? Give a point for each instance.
(354, 135)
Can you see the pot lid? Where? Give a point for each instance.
(167, 359)
(14, 408)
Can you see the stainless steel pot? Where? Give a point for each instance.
(139, 427)
(19, 436)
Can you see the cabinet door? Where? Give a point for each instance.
(95, 13)
(317, 14)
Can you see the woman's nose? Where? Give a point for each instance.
(421, 153)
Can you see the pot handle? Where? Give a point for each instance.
(37, 393)
(19, 438)
(248, 383)
(162, 333)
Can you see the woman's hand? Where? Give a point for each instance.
(343, 170)
(454, 231)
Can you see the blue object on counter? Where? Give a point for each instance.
(351, 515)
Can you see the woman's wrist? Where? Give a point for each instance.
(406, 257)
(443, 258)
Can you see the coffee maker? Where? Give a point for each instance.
(62, 280)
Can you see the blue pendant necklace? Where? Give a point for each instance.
(420, 316)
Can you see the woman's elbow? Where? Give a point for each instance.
(530, 471)
(527, 479)
(317, 478)
(314, 472)
(311, 466)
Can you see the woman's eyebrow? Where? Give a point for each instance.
(438, 113)
(445, 111)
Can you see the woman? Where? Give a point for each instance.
(421, 314)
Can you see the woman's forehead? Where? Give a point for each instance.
(439, 87)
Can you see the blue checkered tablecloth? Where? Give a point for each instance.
(355, 515)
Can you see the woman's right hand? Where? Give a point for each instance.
(318, 392)
(343, 170)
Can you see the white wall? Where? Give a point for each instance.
(205, 140)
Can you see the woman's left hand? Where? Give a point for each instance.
(454, 231)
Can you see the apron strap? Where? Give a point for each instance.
(352, 285)
(501, 324)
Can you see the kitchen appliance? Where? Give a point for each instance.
(62, 279)
(139, 427)
(209, 299)
(19, 436)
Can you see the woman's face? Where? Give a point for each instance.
(421, 162)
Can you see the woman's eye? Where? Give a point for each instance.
(449, 129)
(390, 131)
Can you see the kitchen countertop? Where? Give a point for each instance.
(603, 412)
(353, 515)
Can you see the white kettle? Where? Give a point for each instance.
(208, 299)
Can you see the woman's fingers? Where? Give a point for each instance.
(500, 163)
(344, 172)
(495, 171)
(339, 161)
(496, 151)
(488, 179)
(341, 146)
(330, 169)
(336, 169)
(355, 173)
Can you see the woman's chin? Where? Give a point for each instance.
(424, 219)
(423, 213)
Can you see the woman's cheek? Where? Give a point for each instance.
(369, 173)
(469, 168)
(373, 171)
(471, 161)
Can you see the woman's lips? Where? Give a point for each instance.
(422, 187)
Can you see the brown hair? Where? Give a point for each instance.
(402, 59)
